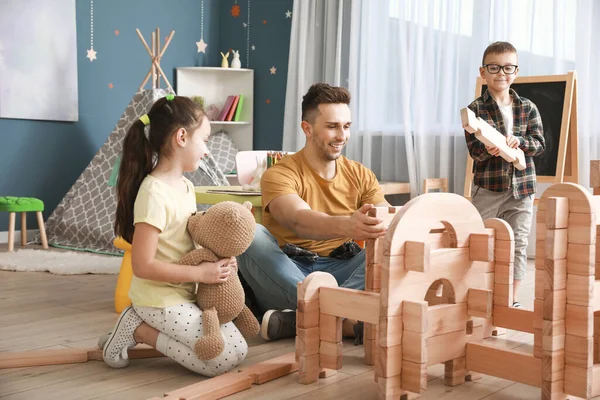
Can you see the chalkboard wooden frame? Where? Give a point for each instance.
(567, 163)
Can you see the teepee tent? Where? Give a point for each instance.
(84, 218)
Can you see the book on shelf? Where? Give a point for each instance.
(231, 111)
(238, 110)
(225, 109)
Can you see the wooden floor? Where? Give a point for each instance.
(44, 311)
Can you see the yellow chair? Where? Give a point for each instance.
(122, 300)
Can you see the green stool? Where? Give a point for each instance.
(13, 205)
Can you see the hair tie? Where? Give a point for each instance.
(145, 119)
(170, 97)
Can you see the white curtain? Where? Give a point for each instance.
(315, 56)
(411, 65)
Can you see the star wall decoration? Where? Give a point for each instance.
(273, 70)
(288, 14)
(91, 54)
(201, 46)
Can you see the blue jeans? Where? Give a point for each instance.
(273, 276)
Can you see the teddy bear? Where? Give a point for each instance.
(225, 230)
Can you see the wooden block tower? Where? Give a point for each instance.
(442, 280)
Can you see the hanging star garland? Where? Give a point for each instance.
(202, 45)
(91, 53)
(288, 14)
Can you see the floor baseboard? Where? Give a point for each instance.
(31, 233)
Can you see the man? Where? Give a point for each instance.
(315, 203)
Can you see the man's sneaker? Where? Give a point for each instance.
(278, 324)
(121, 339)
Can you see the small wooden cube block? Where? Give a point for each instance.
(307, 341)
(557, 212)
(505, 251)
(504, 273)
(555, 274)
(540, 284)
(556, 244)
(553, 362)
(414, 376)
(414, 347)
(582, 228)
(579, 320)
(481, 247)
(414, 316)
(330, 355)
(578, 381)
(555, 303)
(503, 295)
(330, 328)
(538, 337)
(554, 335)
(580, 290)
(417, 256)
(455, 371)
(390, 331)
(479, 303)
(579, 351)
(309, 369)
(309, 318)
(390, 360)
(581, 259)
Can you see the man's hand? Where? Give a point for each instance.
(362, 226)
(512, 141)
(493, 150)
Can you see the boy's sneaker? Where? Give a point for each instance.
(278, 324)
(121, 339)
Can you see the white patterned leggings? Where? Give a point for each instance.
(180, 326)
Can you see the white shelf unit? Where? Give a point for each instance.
(214, 85)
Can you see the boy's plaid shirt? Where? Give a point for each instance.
(494, 173)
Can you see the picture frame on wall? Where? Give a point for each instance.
(38, 60)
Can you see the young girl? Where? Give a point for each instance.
(154, 203)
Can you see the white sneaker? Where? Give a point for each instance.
(121, 339)
(103, 339)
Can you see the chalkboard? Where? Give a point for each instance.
(549, 97)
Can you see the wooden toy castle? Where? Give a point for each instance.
(441, 281)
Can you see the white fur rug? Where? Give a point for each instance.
(59, 262)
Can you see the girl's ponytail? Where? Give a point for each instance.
(136, 163)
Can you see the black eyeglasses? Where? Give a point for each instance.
(495, 68)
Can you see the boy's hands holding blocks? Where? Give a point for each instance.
(495, 143)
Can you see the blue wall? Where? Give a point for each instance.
(272, 46)
(44, 158)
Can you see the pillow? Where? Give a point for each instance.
(223, 151)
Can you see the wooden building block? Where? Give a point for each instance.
(595, 173)
(503, 295)
(330, 355)
(417, 256)
(307, 315)
(555, 303)
(514, 318)
(581, 259)
(481, 247)
(557, 212)
(555, 274)
(330, 328)
(540, 284)
(390, 388)
(350, 303)
(309, 369)
(554, 335)
(538, 337)
(504, 273)
(596, 337)
(580, 290)
(455, 371)
(390, 331)
(414, 316)
(479, 303)
(307, 341)
(414, 347)
(556, 244)
(578, 381)
(582, 228)
(553, 364)
(390, 361)
(373, 277)
(579, 320)
(579, 351)
(505, 251)
(414, 376)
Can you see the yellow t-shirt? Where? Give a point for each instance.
(353, 186)
(160, 205)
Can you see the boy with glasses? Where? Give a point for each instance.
(500, 190)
